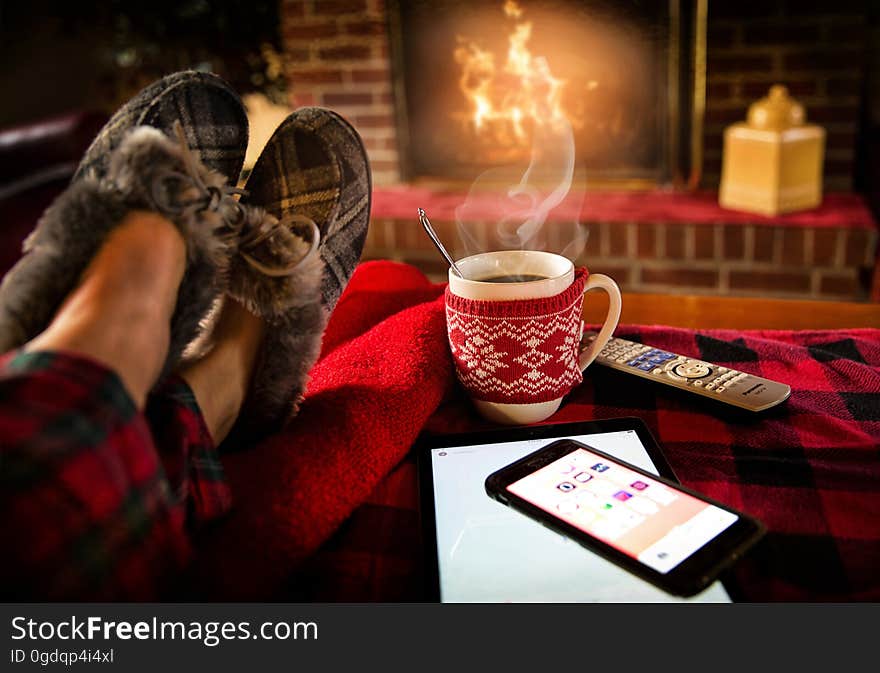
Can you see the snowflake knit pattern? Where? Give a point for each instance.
(521, 351)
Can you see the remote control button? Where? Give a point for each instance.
(646, 366)
(720, 389)
(698, 382)
(722, 369)
(657, 371)
(710, 386)
(674, 377)
(692, 370)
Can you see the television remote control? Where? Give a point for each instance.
(730, 386)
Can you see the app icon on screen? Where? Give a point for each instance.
(568, 469)
(599, 467)
(623, 496)
(566, 486)
(567, 506)
(583, 477)
(639, 485)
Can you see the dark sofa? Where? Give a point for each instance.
(37, 161)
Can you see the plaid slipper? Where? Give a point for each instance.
(314, 177)
(315, 165)
(211, 113)
(148, 171)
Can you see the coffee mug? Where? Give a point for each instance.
(514, 324)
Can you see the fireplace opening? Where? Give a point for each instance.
(475, 84)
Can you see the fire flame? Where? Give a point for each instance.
(523, 94)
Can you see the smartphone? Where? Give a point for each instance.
(669, 535)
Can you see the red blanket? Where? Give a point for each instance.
(811, 472)
(380, 376)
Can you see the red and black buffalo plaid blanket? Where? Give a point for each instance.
(328, 510)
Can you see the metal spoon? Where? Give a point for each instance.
(426, 223)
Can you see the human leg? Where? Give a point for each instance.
(120, 314)
(97, 510)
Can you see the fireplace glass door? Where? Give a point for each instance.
(482, 85)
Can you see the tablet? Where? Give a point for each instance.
(479, 551)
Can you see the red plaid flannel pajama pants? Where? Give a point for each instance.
(98, 500)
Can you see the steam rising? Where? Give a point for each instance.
(520, 210)
(528, 194)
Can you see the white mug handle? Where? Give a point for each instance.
(598, 281)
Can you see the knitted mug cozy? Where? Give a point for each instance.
(521, 351)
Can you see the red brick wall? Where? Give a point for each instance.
(817, 48)
(725, 259)
(336, 56)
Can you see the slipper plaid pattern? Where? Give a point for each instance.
(315, 165)
(212, 115)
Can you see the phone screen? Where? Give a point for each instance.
(477, 537)
(642, 517)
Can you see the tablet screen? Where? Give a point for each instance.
(489, 553)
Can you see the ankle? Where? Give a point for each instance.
(221, 380)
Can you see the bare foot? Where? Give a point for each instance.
(120, 313)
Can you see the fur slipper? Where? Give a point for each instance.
(312, 174)
(148, 171)
(315, 165)
(277, 276)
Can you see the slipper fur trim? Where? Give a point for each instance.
(75, 226)
(291, 306)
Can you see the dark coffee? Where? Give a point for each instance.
(513, 278)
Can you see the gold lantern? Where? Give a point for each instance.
(773, 162)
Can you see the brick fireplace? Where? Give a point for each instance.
(338, 54)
